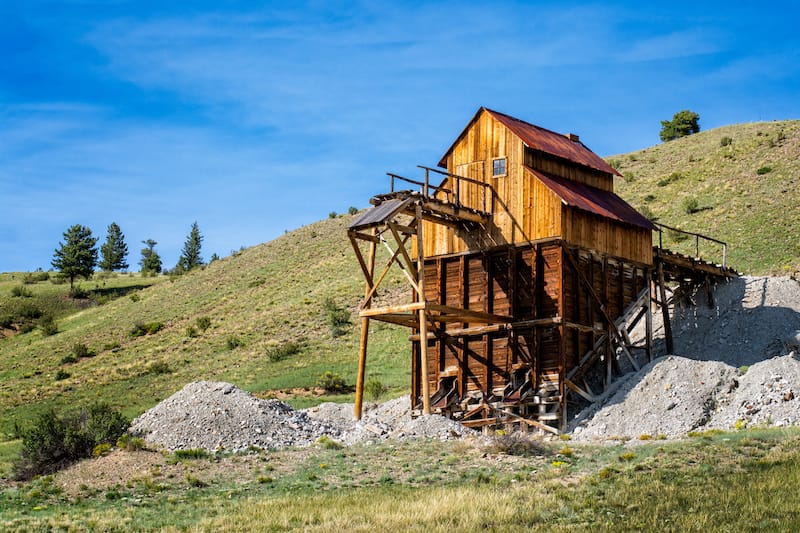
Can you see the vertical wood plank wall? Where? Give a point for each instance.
(528, 281)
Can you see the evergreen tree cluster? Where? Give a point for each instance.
(77, 255)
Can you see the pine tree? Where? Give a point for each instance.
(151, 261)
(114, 251)
(190, 256)
(77, 255)
(683, 123)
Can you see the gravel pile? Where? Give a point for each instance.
(220, 416)
(216, 415)
(670, 396)
(755, 322)
(768, 394)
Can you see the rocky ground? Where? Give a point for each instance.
(736, 364)
(219, 416)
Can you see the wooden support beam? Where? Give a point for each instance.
(579, 391)
(423, 317)
(362, 352)
(665, 309)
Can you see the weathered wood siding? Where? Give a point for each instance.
(558, 167)
(607, 236)
(528, 281)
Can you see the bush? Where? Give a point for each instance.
(203, 323)
(61, 375)
(192, 453)
(55, 441)
(764, 170)
(725, 141)
(691, 206)
(328, 443)
(374, 389)
(21, 291)
(338, 318)
(333, 214)
(332, 382)
(191, 332)
(675, 176)
(233, 342)
(69, 359)
(48, 326)
(352, 210)
(159, 367)
(516, 444)
(647, 213)
(129, 443)
(78, 293)
(287, 349)
(628, 176)
(140, 329)
(80, 350)
(35, 277)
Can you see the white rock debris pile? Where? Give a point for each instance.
(220, 416)
(675, 395)
(707, 384)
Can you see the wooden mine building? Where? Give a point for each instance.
(528, 274)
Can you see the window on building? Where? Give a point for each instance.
(499, 167)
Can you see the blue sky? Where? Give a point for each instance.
(253, 118)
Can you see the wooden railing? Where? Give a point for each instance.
(697, 238)
(452, 194)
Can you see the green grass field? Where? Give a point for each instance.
(742, 481)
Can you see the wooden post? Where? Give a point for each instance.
(423, 318)
(362, 352)
(648, 319)
(665, 308)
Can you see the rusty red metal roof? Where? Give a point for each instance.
(603, 203)
(543, 140)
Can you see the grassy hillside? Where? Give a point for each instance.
(742, 183)
(256, 301)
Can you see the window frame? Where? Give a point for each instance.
(505, 166)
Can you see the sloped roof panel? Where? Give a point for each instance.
(543, 140)
(603, 203)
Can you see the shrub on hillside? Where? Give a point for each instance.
(48, 326)
(233, 342)
(80, 350)
(764, 170)
(338, 318)
(21, 291)
(332, 382)
(282, 351)
(725, 141)
(140, 329)
(374, 389)
(35, 277)
(203, 322)
(55, 441)
(691, 206)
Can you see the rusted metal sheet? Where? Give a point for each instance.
(378, 214)
(603, 203)
(543, 140)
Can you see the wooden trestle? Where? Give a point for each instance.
(504, 334)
